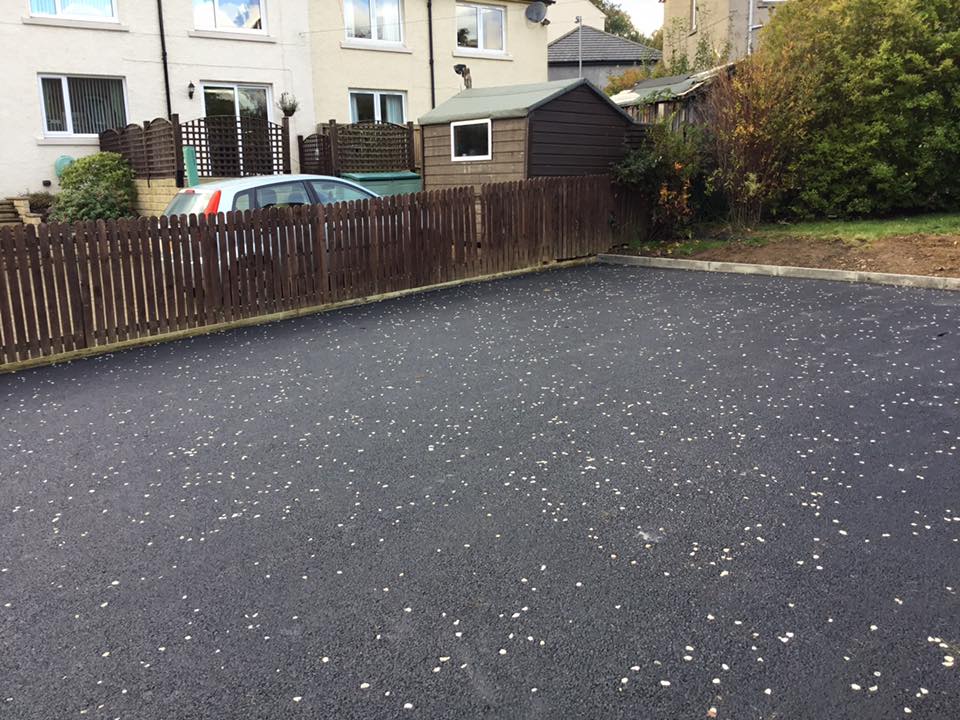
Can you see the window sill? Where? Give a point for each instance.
(226, 35)
(70, 23)
(79, 140)
(483, 55)
(375, 46)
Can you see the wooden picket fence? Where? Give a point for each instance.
(65, 287)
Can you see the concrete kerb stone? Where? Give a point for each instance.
(787, 271)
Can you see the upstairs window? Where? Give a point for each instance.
(82, 105)
(470, 140)
(229, 15)
(481, 28)
(373, 20)
(75, 9)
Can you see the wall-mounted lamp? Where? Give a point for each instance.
(191, 89)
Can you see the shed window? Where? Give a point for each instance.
(481, 28)
(75, 9)
(82, 105)
(470, 140)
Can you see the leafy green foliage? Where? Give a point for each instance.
(883, 77)
(96, 187)
(41, 203)
(670, 170)
(618, 23)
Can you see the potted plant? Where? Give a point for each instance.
(288, 103)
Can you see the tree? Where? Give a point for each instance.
(626, 80)
(618, 23)
(881, 83)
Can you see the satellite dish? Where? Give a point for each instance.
(62, 163)
(536, 12)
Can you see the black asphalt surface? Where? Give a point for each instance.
(593, 493)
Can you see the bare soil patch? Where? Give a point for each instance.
(938, 256)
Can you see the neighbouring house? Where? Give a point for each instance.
(725, 29)
(678, 98)
(515, 132)
(78, 67)
(563, 17)
(603, 55)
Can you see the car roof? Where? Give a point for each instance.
(245, 183)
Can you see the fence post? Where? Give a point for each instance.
(301, 152)
(411, 150)
(287, 168)
(334, 149)
(177, 148)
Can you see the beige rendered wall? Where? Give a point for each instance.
(130, 49)
(340, 65)
(723, 24)
(562, 17)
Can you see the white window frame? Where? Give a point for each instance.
(348, 12)
(481, 35)
(376, 101)
(693, 15)
(68, 109)
(59, 13)
(234, 28)
(471, 158)
(235, 86)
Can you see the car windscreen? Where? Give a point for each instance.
(188, 202)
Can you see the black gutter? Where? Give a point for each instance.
(433, 83)
(163, 59)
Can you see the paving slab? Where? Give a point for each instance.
(603, 492)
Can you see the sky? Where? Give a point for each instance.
(647, 15)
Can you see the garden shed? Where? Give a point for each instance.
(503, 134)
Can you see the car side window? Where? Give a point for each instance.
(243, 201)
(331, 191)
(286, 194)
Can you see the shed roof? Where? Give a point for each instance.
(506, 101)
(666, 88)
(599, 47)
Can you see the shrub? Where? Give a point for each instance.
(757, 118)
(881, 84)
(96, 187)
(668, 170)
(41, 203)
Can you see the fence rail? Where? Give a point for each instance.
(94, 284)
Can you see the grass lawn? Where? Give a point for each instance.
(858, 232)
(917, 245)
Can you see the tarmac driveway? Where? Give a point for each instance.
(604, 492)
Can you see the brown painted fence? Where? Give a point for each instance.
(94, 284)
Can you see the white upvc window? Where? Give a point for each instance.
(374, 20)
(471, 140)
(230, 15)
(96, 10)
(378, 106)
(82, 106)
(481, 28)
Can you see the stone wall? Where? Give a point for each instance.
(154, 195)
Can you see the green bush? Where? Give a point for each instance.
(96, 187)
(41, 203)
(882, 133)
(669, 170)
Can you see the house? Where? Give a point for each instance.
(77, 67)
(563, 17)
(515, 132)
(596, 54)
(726, 28)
